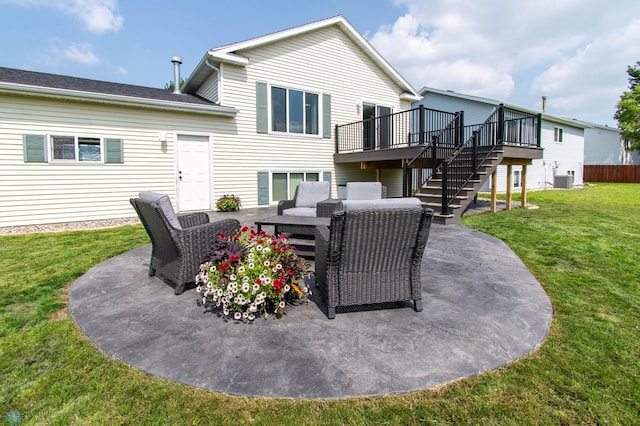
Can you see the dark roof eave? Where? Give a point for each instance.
(66, 94)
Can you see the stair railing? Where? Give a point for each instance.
(505, 126)
(419, 169)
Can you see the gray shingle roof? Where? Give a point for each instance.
(32, 78)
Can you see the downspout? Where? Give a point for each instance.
(217, 70)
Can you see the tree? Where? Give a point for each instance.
(171, 85)
(634, 75)
(628, 109)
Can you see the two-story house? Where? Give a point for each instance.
(254, 118)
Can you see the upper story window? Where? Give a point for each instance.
(558, 134)
(294, 111)
(75, 148)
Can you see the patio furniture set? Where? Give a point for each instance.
(368, 248)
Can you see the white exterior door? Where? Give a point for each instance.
(193, 173)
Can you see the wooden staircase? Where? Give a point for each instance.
(431, 193)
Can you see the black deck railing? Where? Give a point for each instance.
(402, 129)
(420, 169)
(505, 126)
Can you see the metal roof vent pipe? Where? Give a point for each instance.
(176, 74)
(544, 104)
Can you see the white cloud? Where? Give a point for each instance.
(81, 53)
(574, 51)
(98, 16)
(121, 70)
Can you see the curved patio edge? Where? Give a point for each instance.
(483, 309)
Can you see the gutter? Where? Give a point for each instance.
(76, 95)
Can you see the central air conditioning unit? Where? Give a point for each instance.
(563, 181)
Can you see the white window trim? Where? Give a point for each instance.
(303, 89)
(76, 160)
(559, 131)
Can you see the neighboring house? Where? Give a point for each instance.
(562, 140)
(254, 119)
(604, 146)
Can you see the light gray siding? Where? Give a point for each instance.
(474, 112)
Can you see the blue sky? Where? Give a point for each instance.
(575, 52)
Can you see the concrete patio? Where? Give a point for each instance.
(482, 310)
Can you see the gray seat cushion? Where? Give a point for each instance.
(385, 203)
(310, 193)
(363, 190)
(300, 211)
(164, 203)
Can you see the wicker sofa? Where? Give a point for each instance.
(304, 203)
(372, 253)
(179, 243)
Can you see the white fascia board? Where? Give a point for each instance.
(229, 57)
(76, 95)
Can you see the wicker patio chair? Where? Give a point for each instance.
(371, 256)
(304, 203)
(179, 243)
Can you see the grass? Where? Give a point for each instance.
(582, 245)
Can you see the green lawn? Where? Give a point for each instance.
(582, 245)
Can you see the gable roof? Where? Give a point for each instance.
(73, 88)
(549, 117)
(229, 53)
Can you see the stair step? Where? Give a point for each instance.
(439, 205)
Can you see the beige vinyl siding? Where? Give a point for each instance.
(325, 62)
(209, 89)
(38, 193)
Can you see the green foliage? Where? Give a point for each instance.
(228, 203)
(582, 246)
(634, 75)
(628, 109)
(171, 85)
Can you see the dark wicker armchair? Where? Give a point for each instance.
(372, 256)
(179, 243)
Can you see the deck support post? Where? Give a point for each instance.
(523, 191)
(494, 184)
(509, 183)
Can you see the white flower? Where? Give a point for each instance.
(281, 304)
(279, 266)
(220, 292)
(209, 285)
(267, 280)
(232, 277)
(250, 256)
(198, 289)
(251, 317)
(204, 300)
(267, 263)
(245, 315)
(240, 269)
(253, 308)
(256, 287)
(266, 250)
(250, 265)
(237, 315)
(259, 247)
(245, 287)
(225, 311)
(286, 288)
(262, 295)
(212, 268)
(245, 279)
